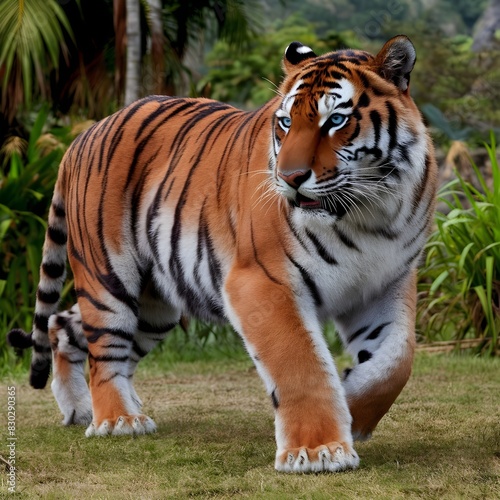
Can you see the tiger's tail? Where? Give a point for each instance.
(52, 277)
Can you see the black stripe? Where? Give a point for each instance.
(392, 126)
(229, 148)
(364, 79)
(73, 337)
(138, 350)
(59, 210)
(344, 105)
(141, 146)
(296, 234)
(146, 327)
(53, 270)
(113, 345)
(97, 333)
(73, 361)
(345, 239)
(258, 261)
(322, 252)
(80, 292)
(414, 256)
(274, 399)
(115, 287)
(376, 332)
(376, 122)
(174, 107)
(355, 133)
(41, 322)
(109, 357)
(364, 356)
(332, 85)
(110, 378)
(42, 349)
(39, 373)
(136, 201)
(47, 297)
(56, 235)
(78, 256)
(357, 333)
(214, 265)
(363, 100)
(343, 67)
(309, 282)
(419, 192)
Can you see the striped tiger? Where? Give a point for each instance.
(314, 207)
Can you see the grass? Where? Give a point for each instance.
(215, 439)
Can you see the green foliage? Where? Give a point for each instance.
(250, 78)
(453, 86)
(31, 41)
(460, 282)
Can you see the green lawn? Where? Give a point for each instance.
(215, 440)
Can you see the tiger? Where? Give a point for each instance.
(314, 207)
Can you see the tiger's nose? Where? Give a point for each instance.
(295, 178)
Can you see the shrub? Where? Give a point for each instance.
(460, 283)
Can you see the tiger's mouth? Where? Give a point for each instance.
(302, 201)
(328, 205)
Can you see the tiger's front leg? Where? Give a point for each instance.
(380, 336)
(313, 423)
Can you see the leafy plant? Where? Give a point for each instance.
(460, 282)
(32, 38)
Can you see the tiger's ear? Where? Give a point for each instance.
(395, 61)
(295, 56)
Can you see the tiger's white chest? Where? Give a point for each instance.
(342, 268)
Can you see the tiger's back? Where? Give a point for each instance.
(314, 207)
(171, 176)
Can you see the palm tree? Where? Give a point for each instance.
(62, 52)
(32, 40)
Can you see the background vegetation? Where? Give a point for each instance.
(62, 67)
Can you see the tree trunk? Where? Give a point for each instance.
(157, 44)
(133, 51)
(120, 26)
(486, 27)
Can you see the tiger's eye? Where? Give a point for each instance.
(285, 122)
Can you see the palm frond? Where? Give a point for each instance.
(31, 43)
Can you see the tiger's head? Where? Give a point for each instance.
(347, 137)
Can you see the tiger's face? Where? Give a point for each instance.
(347, 134)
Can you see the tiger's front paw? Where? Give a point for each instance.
(123, 425)
(331, 457)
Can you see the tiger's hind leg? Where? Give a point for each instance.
(109, 307)
(69, 353)
(380, 336)
(156, 319)
(120, 330)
